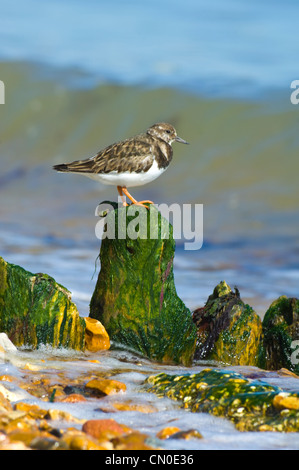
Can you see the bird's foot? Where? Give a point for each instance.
(123, 191)
(142, 203)
(145, 202)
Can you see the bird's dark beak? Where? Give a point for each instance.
(178, 139)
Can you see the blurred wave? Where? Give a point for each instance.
(223, 48)
(242, 165)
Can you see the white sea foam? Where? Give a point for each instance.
(218, 433)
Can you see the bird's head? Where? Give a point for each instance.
(166, 132)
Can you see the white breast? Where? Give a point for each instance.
(127, 179)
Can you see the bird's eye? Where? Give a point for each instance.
(168, 131)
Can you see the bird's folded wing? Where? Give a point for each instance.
(130, 155)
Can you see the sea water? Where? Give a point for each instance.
(220, 48)
(218, 433)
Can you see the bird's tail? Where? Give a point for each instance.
(62, 167)
(80, 166)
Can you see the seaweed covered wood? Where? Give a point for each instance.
(228, 330)
(135, 296)
(35, 310)
(281, 335)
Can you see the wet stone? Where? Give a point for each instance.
(189, 434)
(28, 435)
(104, 428)
(252, 405)
(45, 443)
(73, 398)
(286, 401)
(129, 406)
(96, 336)
(62, 415)
(132, 441)
(101, 386)
(167, 432)
(33, 411)
(76, 440)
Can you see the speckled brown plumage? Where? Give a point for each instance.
(132, 162)
(134, 155)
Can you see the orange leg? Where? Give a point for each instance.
(120, 192)
(134, 201)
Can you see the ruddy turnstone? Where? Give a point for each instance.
(131, 162)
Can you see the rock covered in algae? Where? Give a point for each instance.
(228, 330)
(34, 310)
(281, 335)
(135, 296)
(252, 405)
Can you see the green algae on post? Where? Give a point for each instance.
(228, 330)
(35, 310)
(135, 296)
(281, 335)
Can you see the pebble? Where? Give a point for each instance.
(46, 443)
(173, 432)
(105, 386)
(134, 441)
(283, 400)
(62, 415)
(25, 435)
(104, 428)
(189, 434)
(287, 372)
(165, 433)
(33, 411)
(77, 440)
(73, 398)
(96, 336)
(126, 406)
